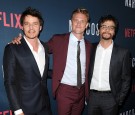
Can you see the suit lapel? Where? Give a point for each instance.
(92, 58)
(65, 49)
(46, 58)
(87, 49)
(113, 58)
(29, 54)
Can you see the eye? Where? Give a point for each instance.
(104, 27)
(35, 23)
(25, 24)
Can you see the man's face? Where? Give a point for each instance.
(31, 27)
(107, 30)
(79, 23)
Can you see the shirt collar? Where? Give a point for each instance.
(110, 47)
(74, 39)
(40, 47)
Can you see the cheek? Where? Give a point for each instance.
(113, 33)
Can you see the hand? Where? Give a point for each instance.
(21, 114)
(86, 101)
(16, 40)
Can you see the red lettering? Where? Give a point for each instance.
(12, 21)
(0, 15)
(127, 33)
(5, 20)
(133, 32)
(10, 112)
(18, 21)
(5, 112)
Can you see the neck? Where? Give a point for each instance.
(78, 36)
(105, 43)
(34, 43)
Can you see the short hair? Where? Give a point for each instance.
(32, 12)
(108, 18)
(83, 11)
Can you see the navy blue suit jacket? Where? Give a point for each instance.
(25, 87)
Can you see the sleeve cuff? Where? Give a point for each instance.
(19, 111)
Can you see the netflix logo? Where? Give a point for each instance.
(129, 32)
(10, 20)
(7, 112)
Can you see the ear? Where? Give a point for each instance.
(87, 25)
(40, 28)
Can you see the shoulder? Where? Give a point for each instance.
(15, 47)
(121, 50)
(44, 44)
(11, 46)
(60, 36)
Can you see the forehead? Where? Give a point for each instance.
(80, 15)
(30, 18)
(108, 23)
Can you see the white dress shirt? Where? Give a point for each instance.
(40, 60)
(70, 73)
(100, 78)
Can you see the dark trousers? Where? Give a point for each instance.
(70, 100)
(102, 103)
(44, 111)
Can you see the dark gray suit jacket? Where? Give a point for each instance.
(119, 73)
(25, 87)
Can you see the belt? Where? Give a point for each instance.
(72, 86)
(96, 91)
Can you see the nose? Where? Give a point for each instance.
(78, 22)
(31, 26)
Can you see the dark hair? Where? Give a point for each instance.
(32, 12)
(108, 18)
(83, 11)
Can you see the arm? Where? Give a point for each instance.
(126, 77)
(18, 112)
(17, 40)
(51, 44)
(9, 65)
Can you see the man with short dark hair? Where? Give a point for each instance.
(25, 69)
(109, 75)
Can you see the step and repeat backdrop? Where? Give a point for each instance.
(56, 14)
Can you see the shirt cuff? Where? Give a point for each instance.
(19, 111)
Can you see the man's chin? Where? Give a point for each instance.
(31, 37)
(105, 38)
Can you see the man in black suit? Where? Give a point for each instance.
(25, 69)
(109, 74)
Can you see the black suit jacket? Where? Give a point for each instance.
(25, 87)
(119, 73)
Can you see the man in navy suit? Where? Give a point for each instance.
(25, 69)
(109, 75)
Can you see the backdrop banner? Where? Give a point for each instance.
(57, 16)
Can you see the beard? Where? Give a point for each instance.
(106, 36)
(31, 35)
